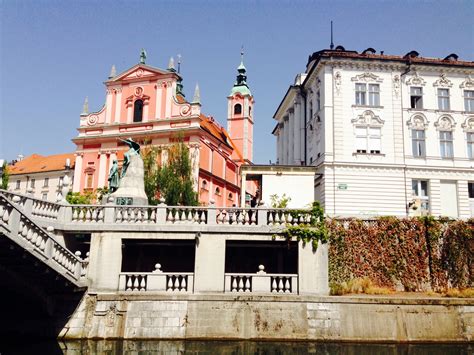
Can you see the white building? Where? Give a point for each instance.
(386, 133)
(41, 176)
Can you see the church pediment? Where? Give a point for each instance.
(138, 72)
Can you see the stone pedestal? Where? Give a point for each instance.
(131, 189)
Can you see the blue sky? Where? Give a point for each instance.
(54, 53)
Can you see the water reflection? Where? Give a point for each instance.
(231, 348)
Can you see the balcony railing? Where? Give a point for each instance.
(156, 281)
(261, 282)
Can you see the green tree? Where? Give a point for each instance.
(149, 155)
(5, 176)
(174, 179)
(77, 198)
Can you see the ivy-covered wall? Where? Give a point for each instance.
(413, 253)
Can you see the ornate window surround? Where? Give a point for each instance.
(367, 77)
(418, 121)
(416, 80)
(468, 124)
(445, 123)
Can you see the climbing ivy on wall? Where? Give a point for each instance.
(313, 230)
(413, 253)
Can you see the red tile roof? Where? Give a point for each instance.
(36, 163)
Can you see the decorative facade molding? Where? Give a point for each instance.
(468, 124)
(416, 80)
(443, 81)
(337, 81)
(468, 83)
(418, 121)
(396, 85)
(445, 123)
(367, 77)
(368, 118)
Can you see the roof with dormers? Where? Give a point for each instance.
(36, 163)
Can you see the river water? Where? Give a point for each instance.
(228, 348)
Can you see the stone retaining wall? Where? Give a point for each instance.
(271, 317)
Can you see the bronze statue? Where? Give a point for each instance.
(134, 150)
(114, 177)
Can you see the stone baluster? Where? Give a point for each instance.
(212, 213)
(161, 212)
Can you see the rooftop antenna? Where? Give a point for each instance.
(179, 63)
(332, 43)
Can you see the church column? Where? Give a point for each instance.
(77, 173)
(118, 106)
(159, 94)
(129, 111)
(102, 169)
(296, 134)
(291, 141)
(108, 106)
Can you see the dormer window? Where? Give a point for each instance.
(237, 109)
(138, 111)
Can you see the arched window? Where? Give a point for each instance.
(218, 191)
(250, 111)
(237, 109)
(230, 196)
(138, 111)
(204, 185)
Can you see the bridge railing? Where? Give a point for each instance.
(25, 232)
(157, 215)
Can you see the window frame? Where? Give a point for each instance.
(373, 95)
(361, 95)
(443, 99)
(417, 96)
(368, 139)
(425, 199)
(18, 185)
(468, 100)
(46, 182)
(240, 109)
(135, 110)
(446, 146)
(32, 183)
(470, 144)
(420, 140)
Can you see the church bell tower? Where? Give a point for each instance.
(240, 115)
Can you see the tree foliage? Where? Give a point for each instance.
(5, 176)
(172, 180)
(85, 198)
(279, 202)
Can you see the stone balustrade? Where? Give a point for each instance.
(156, 281)
(261, 282)
(28, 235)
(158, 215)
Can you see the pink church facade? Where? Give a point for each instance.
(147, 104)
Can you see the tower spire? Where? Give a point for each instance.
(179, 63)
(197, 95)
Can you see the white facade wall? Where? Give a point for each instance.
(40, 191)
(295, 186)
(380, 183)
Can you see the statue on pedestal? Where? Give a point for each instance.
(134, 150)
(114, 178)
